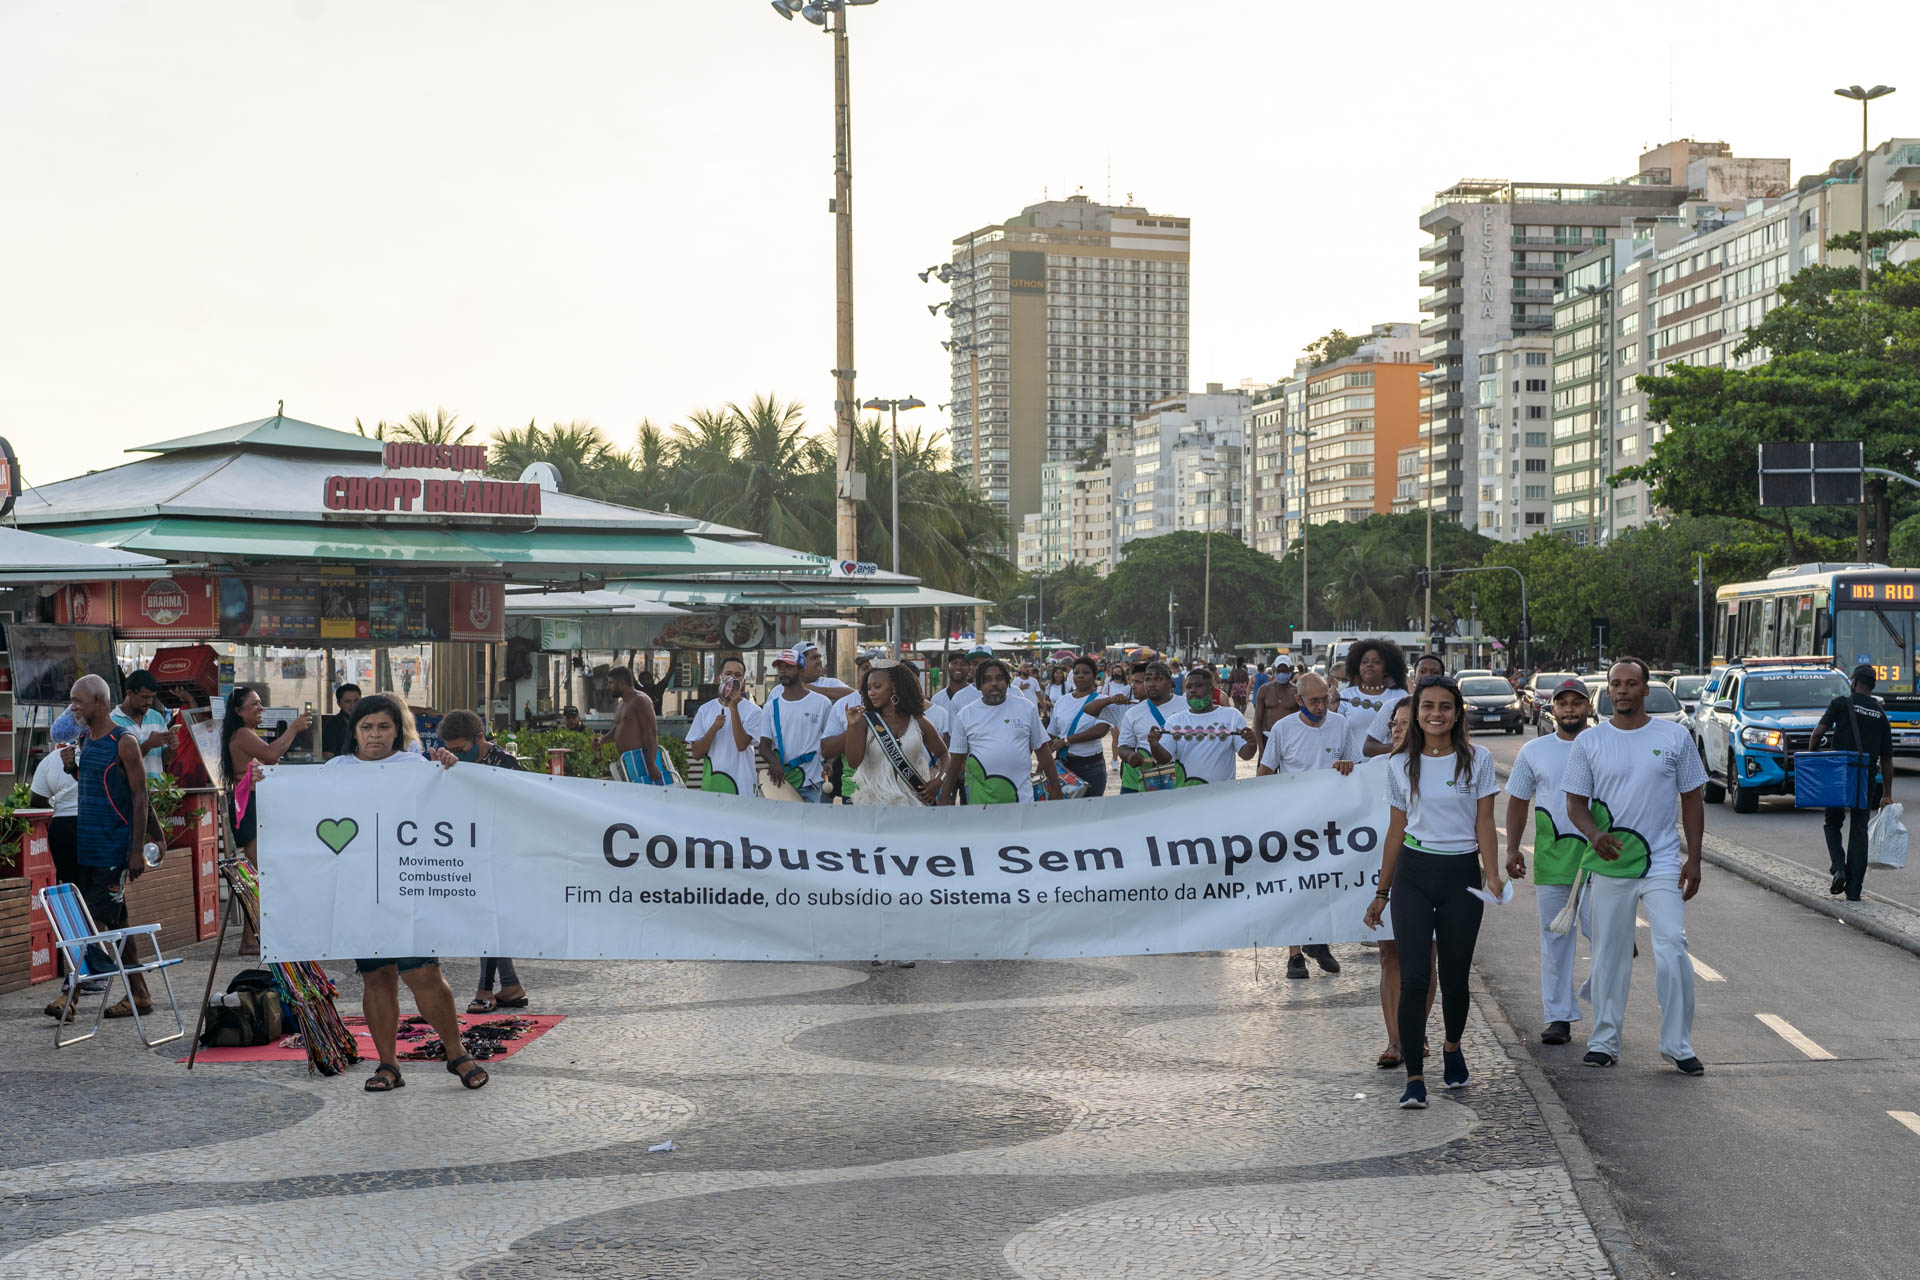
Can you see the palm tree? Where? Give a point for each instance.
(438, 427)
(767, 485)
(706, 448)
(1370, 581)
(589, 466)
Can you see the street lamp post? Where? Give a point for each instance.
(832, 16)
(1206, 578)
(1863, 97)
(1604, 294)
(893, 408)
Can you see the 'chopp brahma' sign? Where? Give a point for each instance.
(447, 497)
(402, 860)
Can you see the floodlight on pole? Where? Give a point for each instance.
(832, 16)
(1863, 97)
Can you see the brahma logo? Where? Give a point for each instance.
(480, 608)
(78, 606)
(163, 602)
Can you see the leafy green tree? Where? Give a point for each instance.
(1246, 592)
(1336, 345)
(1841, 366)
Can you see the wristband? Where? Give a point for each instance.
(1382, 893)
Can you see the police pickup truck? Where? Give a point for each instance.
(1764, 711)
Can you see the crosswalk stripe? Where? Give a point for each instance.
(1907, 1118)
(1707, 972)
(1794, 1036)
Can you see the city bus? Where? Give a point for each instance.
(1846, 614)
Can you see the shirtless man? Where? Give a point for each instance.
(636, 731)
(1276, 700)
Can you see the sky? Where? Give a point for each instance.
(616, 211)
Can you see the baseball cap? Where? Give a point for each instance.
(1866, 672)
(794, 657)
(980, 651)
(570, 711)
(1572, 685)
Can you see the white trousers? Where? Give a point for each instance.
(1615, 901)
(1557, 951)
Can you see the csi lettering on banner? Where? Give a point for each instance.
(400, 860)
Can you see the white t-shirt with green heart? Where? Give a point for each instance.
(1442, 817)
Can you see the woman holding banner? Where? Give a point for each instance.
(887, 737)
(380, 731)
(1440, 787)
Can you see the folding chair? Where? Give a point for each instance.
(75, 933)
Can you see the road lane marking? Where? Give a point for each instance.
(1794, 1036)
(1907, 1118)
(1706, 971)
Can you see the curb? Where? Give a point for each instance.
(1624, 1253)
(1883, 918)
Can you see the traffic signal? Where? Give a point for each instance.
(1424, 577)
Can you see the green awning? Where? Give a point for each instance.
(840, 593)
(543, 555)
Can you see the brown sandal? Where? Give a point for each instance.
(1387, 1060)
(482, 1004)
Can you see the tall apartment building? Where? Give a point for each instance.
(1499, 254)
(1686, 289)
(1183, 466)
(1512, 408)
(1265, 465)
(1329, 437)
(1067, 320)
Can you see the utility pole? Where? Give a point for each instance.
(1426, 623)
(846, 515)
(1700, 603)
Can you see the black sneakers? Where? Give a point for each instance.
(1296, 966)
(1690, 1067)
(1839, 885)
(1415, 1098)
(1323, 956)
(1557, 1032)
(1595, 1058)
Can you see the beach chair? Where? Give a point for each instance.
(75, 934)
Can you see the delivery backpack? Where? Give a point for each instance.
(249, 1014)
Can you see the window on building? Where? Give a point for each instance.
(1536, 517)
(1536, 411)
(1536, 492)
(1536, 384)
(1536, 358)
(1536, 464)
(1536, 439)
(1626, 506)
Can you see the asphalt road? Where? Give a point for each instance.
(1783, 1160)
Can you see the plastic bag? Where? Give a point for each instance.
(1887, 839)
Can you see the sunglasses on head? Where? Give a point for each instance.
(1427, 682)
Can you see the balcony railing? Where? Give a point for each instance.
(1441, 246)
(1437, 274)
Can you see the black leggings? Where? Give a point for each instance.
(1431, 904)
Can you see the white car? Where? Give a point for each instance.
(1471, 672)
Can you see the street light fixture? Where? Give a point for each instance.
(893, 407)
(1206, 582)
(1863, 97)
(831, 15)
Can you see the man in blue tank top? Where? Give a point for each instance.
(112, 824)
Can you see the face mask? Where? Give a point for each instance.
(471, 754)
(1309, 717)
(1200, 704)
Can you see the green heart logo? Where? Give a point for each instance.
(337, 833)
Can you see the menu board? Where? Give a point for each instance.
(339, 606)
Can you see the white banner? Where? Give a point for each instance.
(392, 860)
